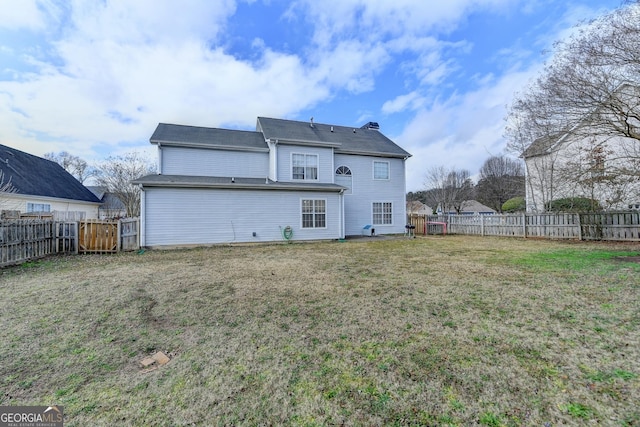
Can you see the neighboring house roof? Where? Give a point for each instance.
(109, 200)
(35, 176)
(194, 136)
(473, 206)
(349, 140)
(544, 145)
(476, 207)
(418, 208)
(98, 190)
(230, 183)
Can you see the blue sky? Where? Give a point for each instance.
(95, 77)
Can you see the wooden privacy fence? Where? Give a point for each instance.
(97, 236)
(613, 226)
(23, 240)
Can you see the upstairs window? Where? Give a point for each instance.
(381, 170)
(344, 178)
(304, 166)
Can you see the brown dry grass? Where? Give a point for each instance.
(431, 331)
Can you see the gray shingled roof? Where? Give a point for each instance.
(346, 139)
(108, 199)
(169, 134)
(544, 145)
(32, 175)
(228, 182)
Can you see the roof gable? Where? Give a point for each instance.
(35, 176)
(349, 140)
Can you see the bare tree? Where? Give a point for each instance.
(76, 166)
(116, 174)
(6, 187)
(501, 178)
(448, 188)
(589, 90)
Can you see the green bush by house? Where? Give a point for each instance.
(515, 204)
(573, 204)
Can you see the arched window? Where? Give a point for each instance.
(345, 178)
(343, 170)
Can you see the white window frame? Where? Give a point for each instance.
(382, 213)
(306, 156)
(348, 192)
(376, 162)
(314, 213)
(46, 207)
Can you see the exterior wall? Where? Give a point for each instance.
(567, 173)
(18, 202)
(211, 162)
(325, 162)
(358, 205)
(187, 216)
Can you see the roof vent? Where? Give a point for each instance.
(371, 125)
(311, 122)
(331, 128)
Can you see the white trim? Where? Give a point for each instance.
(373, 170)
(383, 213)
(48, 205)
(142, 230)
(350, 191)
(317, 156)
(326, 208)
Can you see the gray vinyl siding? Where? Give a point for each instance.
(366, 191)
(207, 162)
(325, 162)
(190, 216)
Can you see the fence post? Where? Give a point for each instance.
(579, 226)
(76, 236)
(119, 236)
(481, 225)
(524, 225)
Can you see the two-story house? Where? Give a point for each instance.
(285, 180)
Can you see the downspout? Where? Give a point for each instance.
(159, 170)
(273, 159)
(143, 218)
(341, 199)
(404, 201)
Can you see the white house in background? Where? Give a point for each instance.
(111, 206)
(285, 180)
(40, 186)
(576, 166)
(415, 207)
(593, 159)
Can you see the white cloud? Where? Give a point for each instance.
(410, 101)
(23, 14)
(460, 131)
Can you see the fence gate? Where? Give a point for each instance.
(97, 237)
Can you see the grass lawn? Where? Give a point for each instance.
(429, 331)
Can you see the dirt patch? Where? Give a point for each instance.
(631, 258)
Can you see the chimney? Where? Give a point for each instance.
(371, 125)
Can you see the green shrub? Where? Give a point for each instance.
(515, 204)
(573, 204)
